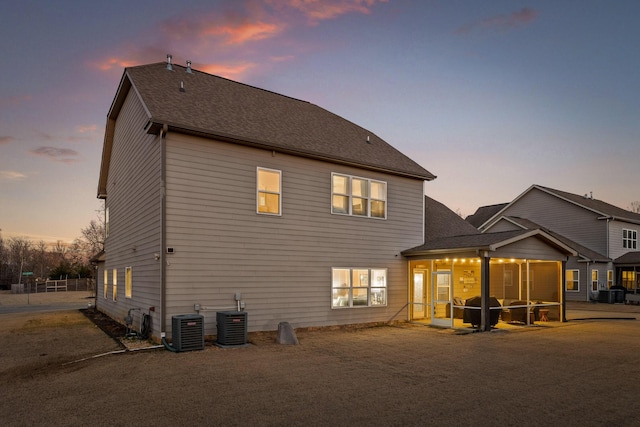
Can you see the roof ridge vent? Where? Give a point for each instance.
(169, 66)
(189, 67)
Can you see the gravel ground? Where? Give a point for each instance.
(59, 368)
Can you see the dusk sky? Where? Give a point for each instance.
(492, 96)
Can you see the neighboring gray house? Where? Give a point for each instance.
(605, 236)
(221, 195)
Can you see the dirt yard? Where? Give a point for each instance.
(59, 368)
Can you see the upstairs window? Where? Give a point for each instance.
(629, 239)
(351, 195)
(269, 183)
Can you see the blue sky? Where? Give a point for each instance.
(491, 96)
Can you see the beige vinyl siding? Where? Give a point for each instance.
(134, 202)
(615, 233)
(280, 264)
(531, 248)
(563, 217)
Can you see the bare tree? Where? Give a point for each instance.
(635, 207)
(20, 258)
(93, 237)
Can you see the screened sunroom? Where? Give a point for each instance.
(484, 281)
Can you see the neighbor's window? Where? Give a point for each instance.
(127, 282)
(572, 281)
(115, 284)
(628, 279)
(594, 280)
(269, 191)
(609, 278)
(105, 279)
(351, 195)
(629, 239)
(358, 287)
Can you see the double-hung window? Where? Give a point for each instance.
(358, 287)
(629, 239)
(609, 279)
(128, 282)
(572, 281)
(594, 280)
(105, 283)
(115, 284)
(351, 195)
(269, 191)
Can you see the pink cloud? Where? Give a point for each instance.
(64, 155)
(11, 176)
(15, 101)
(318, 10)
(6, 140)
(227, 29)
(233, 38)
(226, 70)
(106, 64)
(86, 128)
(502, 22)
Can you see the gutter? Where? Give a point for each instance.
(163, 228)
(152, 127)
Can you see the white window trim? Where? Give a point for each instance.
(594, 283)
(369, 198)
(629, 238)
(577, 275)
(258, 191)
(370, 287)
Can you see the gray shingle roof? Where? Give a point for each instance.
(440, 221)
(595, 205)
(483, 213)
(468, 241)
(216, 107)
(630, 258)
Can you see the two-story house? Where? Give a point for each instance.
(604, 236)
(220, 195)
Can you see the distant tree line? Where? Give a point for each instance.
(47, 261)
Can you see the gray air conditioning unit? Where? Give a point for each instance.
(232, 328)
(187, 332)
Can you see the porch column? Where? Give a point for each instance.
(485, 294)
(563, 280)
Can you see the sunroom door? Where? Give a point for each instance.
(442, 291)
(420, 292)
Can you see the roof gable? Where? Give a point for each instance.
(582, 251)
(485, 242)
(210, 106)
(598, 207)
(483, 213)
